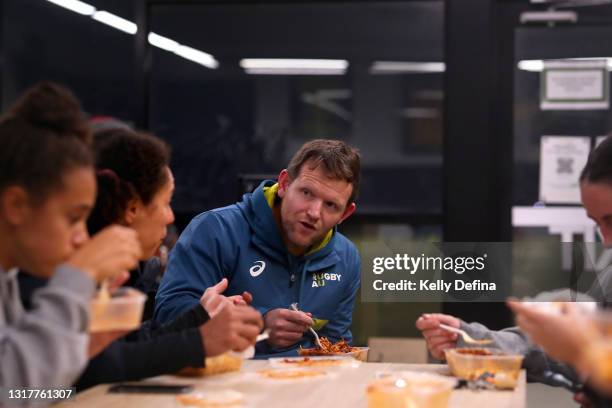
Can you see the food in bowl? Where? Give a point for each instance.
(501, 369)
(474, 352)
(120, 311)
(327, 347)
(340, 348)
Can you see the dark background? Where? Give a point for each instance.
(445, 155)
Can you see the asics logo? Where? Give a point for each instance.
(257, 269)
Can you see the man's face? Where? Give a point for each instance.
(311, 205)
(597, 201)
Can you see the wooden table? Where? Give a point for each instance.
(346, 388)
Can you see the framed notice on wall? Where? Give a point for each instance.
(574, 85)
(562, 158)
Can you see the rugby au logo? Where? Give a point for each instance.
(257, 269)
(319, 279)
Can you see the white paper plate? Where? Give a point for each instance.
(288, 375)
(317, 362)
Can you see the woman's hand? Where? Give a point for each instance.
(111, 251)
(564, 337)
(213, 299)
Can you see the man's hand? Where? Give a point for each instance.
(232, 328)
(438, 339)
(213, 299)
(99, 341)
(286, 326)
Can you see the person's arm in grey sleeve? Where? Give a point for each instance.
(47, 347)
(511, 340)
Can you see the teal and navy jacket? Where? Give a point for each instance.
(242, 242)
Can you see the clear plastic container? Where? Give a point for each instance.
(122, 311)
(360, 354)
(471, 363)
(428, 390)
(386, 393)
(407, 389)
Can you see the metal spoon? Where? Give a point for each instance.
(294, 306)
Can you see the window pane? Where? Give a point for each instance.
(227, 121)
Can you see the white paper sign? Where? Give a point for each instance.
(574, 85)
(562, 158)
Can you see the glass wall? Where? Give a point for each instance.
(274, 76)
(43, 41)
(367, 72)
(381, 90)
(551, 142)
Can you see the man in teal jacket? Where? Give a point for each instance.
(281, 244)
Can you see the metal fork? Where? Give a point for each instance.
(294, 306)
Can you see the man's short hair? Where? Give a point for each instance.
(339, 159)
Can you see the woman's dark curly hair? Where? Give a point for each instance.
(129, 164)
(43, 136)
